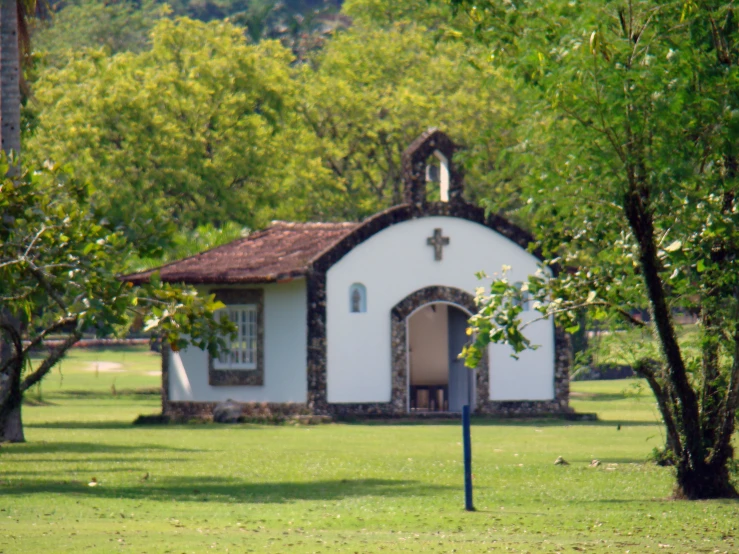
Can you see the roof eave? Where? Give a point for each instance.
(278, 278)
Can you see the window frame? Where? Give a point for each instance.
(362, 290)
(244, 312)
(228, 374)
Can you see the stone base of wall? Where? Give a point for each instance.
(270, 411)
(266, 411)
(488, 408)
(522, 408)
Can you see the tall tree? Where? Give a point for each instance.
(14, 40)
(13, 30)
(642, 128)
(59, 275)
(183, 134)
(10, 93)
(221, 130)
(117, 26)
(372, 90)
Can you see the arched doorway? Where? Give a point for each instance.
(438, 380)
(428, 331)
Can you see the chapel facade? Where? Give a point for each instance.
(368, 319)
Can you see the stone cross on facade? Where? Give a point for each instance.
(438, 242)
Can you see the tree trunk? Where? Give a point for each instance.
(11, 395)
(10, 92)
(703, 481)
(11, 425)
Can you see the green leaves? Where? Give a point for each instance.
(198, 127)
(373, 90)
(499, 318)
(177, 136)
(633, 177)
(59, 271)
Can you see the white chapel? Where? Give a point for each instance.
(367, 319)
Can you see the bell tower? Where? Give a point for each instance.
(417, 171)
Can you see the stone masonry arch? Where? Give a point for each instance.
(399, 339)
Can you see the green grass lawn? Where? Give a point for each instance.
(336, 487)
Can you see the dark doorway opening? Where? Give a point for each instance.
(438, 380)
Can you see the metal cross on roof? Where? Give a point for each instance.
(438, 242)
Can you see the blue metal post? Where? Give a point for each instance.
(467, 459)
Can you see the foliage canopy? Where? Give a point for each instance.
(181, 135)
(59, 276)
(635, 115)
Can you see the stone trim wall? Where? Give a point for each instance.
(317, 359)
(399, 340)
(165, 376)
(241, 377)
(397, 407)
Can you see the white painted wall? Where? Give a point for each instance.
(397, 262)
(428, 342)
(285, 355)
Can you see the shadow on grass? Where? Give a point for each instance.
(615, 423)
(85, 471)
(49, 447)
(103, 425)
(107, 394)
(221, 489)
(81, 425)
(454, 422)
(502, 422)
(100, 460)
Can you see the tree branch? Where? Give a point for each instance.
(646, 368)
(43, 281)
(33, 241)
(722, 445)
(620, 311)
(46, 332)
(56, 355)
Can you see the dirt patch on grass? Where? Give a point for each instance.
(105, 367)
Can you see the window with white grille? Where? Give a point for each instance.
(242, 351)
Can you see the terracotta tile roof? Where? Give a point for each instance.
(282, 251)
